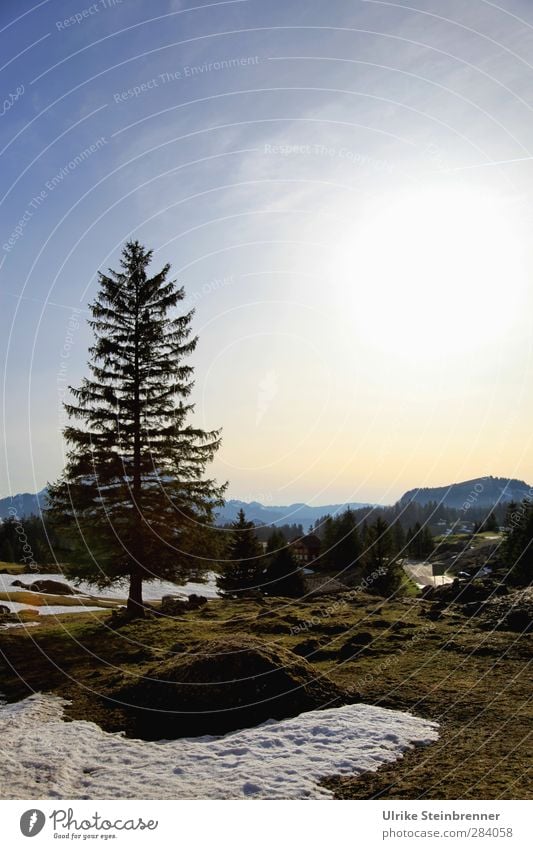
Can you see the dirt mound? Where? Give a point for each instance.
(465, 591)
(513, 612)
(226, 684)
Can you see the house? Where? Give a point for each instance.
(305, 549)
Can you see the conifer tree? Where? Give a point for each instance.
(398, 540)
(491, 523)
(341, 544)
(518, 544)
(133, 489)
(243, 570)
(381, 558)
(282, 575)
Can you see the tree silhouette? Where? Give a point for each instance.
(133, 490)
(244, 570)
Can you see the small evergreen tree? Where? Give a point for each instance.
(134, 485)
(329, 540)
(420, 542)
(341, 544)
(7, 555)
(282, 576)
(398, 540)
(245, 565)
(518, 544)
(427, 542)
(491, 524)
(381, 558)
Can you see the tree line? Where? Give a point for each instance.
(351, 555)
(518, 545)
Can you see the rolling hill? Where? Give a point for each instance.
(483, 492)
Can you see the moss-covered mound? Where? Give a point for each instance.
(226, 684)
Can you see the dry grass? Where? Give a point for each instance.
(43, 599)
(474, 683)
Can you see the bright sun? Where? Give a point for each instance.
(438, 271)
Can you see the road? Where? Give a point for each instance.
(422, 575)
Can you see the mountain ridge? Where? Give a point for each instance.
(483, 492)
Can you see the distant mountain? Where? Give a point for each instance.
(480, 492)
(292, 514)
(25, 504)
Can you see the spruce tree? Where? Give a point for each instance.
(381, 558)
(341, 544)
(420, 541)
(7, 554)
(244, 567)
(518, 544)
(282, 576)
(398, 540)
(491, 523)
(133, 488)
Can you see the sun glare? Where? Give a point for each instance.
(439, 270)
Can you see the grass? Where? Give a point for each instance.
(393, 654)
(464, 539)
(12, 568)
(42, 599)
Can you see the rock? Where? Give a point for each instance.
(53, 588)
(465, 591)
(229, 683)
(174, 605)
(46, 586)
(196, 601)
(178, 604)
(4, 611)
(512, 611)
(253, 595)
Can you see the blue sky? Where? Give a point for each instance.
(344, 189)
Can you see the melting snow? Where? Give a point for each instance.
(45, 757)
(44, 609)
(152, 590)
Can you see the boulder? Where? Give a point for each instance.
(196, 601)
(46, 586)
(53, 588)
(177, 605)
(229, 683)
(174, 605)
(465, 591)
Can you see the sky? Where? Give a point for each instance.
(344, 188)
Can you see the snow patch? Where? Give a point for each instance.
(45, 757)
(152, 590)
(50, 609)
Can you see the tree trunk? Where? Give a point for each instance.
(135, 606)
(135, 602)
